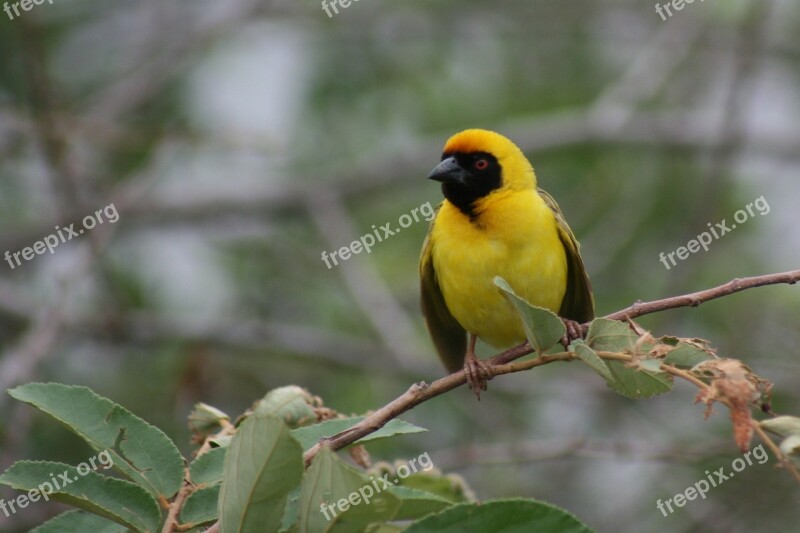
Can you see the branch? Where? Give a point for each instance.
(696, 298)
(172, 523)
(501, 363)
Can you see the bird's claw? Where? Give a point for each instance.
(574, 332)
(478, 372)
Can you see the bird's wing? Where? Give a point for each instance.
(578, 303)
(448, 335)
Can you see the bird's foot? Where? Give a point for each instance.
(574, 332)
(478, 373)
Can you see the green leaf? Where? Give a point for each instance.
(686, 355)
(139, 450)
(590, 357)
(508, 516)
(415, 503)
(292, 404)
(201, 506)
(289, 522)
(637, 384)
(308, 436)
(648, 364)
(451, 487)
(606, 335)
(642, 381)
(263, 464)
(384, 528)
(207, 469)
(205, 419)
(334, 494)
(73, 521)
(785, 426)
(121, 501)
(542, 327)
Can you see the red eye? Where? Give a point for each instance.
(481, 164)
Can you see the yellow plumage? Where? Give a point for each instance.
(494, 222)
(517, 238)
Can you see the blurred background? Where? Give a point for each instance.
(239, 140)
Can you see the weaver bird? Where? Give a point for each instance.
(494, 221)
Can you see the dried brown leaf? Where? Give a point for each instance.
(736, 386)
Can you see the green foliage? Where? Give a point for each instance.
(140, 451)
(251, 477)
(542, 327)
(610, 336)
(638, 383)
(121, 501)
(262, 465)
(257, 482)
(206, 470)
(330, 481)
(73, 521)
(509, 516)
(294, 405)
(687, 353)
(201, 506)
(308, 436)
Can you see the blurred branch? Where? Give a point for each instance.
(686, 129)
(160, 62)
(243, 333)
(613, 110)
(14, 303)
(376, 301)
(502, 363)
(731, 126)
(272, 339)
(646, 74)
(18, 364)
(53, 142)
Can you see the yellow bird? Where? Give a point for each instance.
(494, 221)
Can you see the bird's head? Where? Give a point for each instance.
(478, 163)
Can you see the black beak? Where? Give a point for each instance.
(448, 171)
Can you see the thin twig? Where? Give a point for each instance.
(502, 364)
(696, 298)
(370, 293)
(422, 392)
(786, 464)
(171, 523)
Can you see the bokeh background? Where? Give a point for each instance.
(240, 139)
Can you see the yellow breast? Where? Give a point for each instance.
(515, 237)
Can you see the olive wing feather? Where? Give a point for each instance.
(578, 303)
(448, 336)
